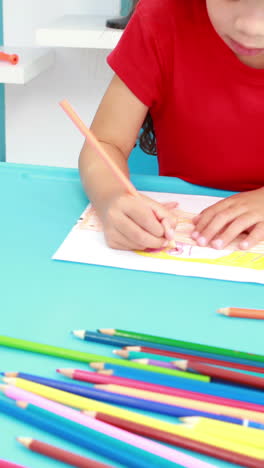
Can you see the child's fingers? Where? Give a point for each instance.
(137, 237)
(217, 224)
(239, 225)
(144, 216)
(204, 218)
(256, 235)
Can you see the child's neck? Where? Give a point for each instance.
(253, 62)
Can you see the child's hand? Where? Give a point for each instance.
(137, 223)
(222, 223)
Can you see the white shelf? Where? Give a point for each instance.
(32, 62)
(81, 31)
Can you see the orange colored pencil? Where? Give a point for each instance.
(243, 313)
(11, 58)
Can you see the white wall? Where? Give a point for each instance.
(37, 130)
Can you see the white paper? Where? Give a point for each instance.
(85, 244)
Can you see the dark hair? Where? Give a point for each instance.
(147, 137)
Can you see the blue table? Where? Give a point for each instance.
(43, 300)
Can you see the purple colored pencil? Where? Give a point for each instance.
(154, 362)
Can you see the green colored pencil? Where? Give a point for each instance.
(183, 344)
(80, 356)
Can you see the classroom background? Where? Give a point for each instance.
(63, 52)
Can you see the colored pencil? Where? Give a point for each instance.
(59, 454)
(92, 377)
(243, 434)
(223, 374)
(82, 403)
(117, 433)
(76, 436)
(185, 344)
(155, 353)
(222, 390)
(243, 313)
(138, 403)
(185, 403)
(180, 441)
(154, 362)
(7, 464)
(87, 357)
(102, 153)
(11, 58)
(87, 133)
(213, 440)
(104, 445)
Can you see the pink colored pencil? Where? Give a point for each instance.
(6, 464)
(92, 377)
(124, 436)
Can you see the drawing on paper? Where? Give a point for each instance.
(186, 249)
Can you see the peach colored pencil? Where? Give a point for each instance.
(87, 133)
(243, 313)
(185, 402)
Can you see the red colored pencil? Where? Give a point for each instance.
(216, 362)
(92, 377)
(219, 373)
(179, 441)
(59, 454)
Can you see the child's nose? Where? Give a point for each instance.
(251, 28)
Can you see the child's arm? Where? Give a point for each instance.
(129, 222)
(223, 222)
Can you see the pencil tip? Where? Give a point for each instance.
(182, 364)
(97, 365)
(132, 348)
(26, 441)
(106, 331)
(223, 311)
(121, 352)
(79, 334)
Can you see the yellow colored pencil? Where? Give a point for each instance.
(242, 434)
(82, 403)
(185, 402)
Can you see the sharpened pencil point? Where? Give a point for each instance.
(66, 372)
(183, 365)
(132, 348)
(105, 372)
(11, 374)
(97, 365)
(106, 331)
(223, 311)
(79, 334)
(3, 387)
(121, 352)
(9, 380)
(26, 441)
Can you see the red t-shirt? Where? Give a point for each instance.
(207, 106)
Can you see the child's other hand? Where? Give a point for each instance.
(138, 223)
(222, 223)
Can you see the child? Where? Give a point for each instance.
(196, 69)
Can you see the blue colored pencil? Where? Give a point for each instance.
(115, 398)
(84, 437)
(125, 341)
(221, 390)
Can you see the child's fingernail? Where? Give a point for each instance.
(202, 241)
(195, 235)
(244, 245)
(165, 244)
(217, 244)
